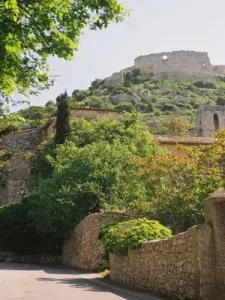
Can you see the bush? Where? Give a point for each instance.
(120, 237)
(220, 101)
(17, 233)
(125, 106)
(168, 107)
(205, 84)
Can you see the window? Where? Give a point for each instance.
(216, 122)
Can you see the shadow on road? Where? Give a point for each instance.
(75, 279)
(90, 285)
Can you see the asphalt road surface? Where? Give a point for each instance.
(29, 282)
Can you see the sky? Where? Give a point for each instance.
(153, 26)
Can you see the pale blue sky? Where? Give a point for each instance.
(154, 26)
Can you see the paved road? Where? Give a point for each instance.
(28, 282)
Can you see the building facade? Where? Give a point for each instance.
(210, 119)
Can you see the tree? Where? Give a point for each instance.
(50, 103)
(173, 125)
(63, 119)
(33, 30)
(86, 172)
(177, 185)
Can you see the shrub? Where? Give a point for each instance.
(125, 106)
(220, 101)
(168, 107)
(150, 107)
(18, 234)
(120, 237)
(205, 84)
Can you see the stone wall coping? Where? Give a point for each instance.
(171, 239)
(218, 196)
(188, 140)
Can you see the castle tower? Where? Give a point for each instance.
(210, 119)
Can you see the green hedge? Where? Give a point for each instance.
(118, 238)
(17, 233)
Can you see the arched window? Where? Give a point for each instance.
(216, 122)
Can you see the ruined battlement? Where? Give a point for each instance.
(177, 65)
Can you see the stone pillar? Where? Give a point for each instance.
(212, 249)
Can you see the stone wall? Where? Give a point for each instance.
(176, 65)
(210, 119)
(83, 249)
(15, 177)
(166, 267)
(88, 114)
(173, 143)
(188, 266)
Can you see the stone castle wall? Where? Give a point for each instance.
(83, 249)
(176, 65)
(188, 266)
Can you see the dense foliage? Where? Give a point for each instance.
(120, 237)
(18, 234)
(167, 107)
(10, 123)
(174, 186)
(32, 30)
(86, 172)
(36, 115)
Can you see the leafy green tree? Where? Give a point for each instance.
(10, 123)
(36, 115)
(63, 119)
(50, 103)
(172, 125)
(33, 30)
(86, 172)
(176, 185)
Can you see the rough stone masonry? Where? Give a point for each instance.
(176, 65)
(191, 265)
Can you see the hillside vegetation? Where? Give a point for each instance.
(155, 98)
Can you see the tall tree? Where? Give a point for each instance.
(63, 119)
(31, 31)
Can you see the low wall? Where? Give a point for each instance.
(166, 267)
(83, 249)
(45, 259)
(190, 265)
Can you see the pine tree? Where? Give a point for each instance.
(63, 119)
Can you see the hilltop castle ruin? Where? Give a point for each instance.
(176, 65)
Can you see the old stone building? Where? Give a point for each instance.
(176, 65)
(210, 119)
(20, 145)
